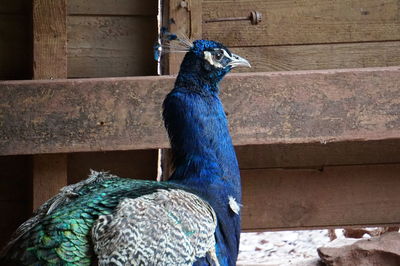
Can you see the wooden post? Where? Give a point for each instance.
(49, 62)
(185, 17)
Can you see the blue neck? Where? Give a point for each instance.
(204, 157)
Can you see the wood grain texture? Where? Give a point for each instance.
(141, 164)
(337, 196)
(179, 21)
(196, 19)
(49, 39)
(49, 62)
(324, 56)
(112, 7)
(111, 46)
(49, 176)
(15, 47)
(263, 108)
(302, 22)
(318, 155)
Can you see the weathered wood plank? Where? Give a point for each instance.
(302, 22)
(49, 176)
(324, 56)
(111, 46)
(196, 18)
(112, 7)
(140, 164)
(263, 108)
(336, 196)
(318, 155)
(49, 62)
(15, 47)
(179, 21)
(49, 39)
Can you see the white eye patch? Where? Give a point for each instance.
(209, 58)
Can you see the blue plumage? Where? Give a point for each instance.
(107, 210)
(204, 157)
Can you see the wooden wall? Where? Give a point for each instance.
(104, 39)
(115, 38)
(308, 34)
(111, 38)
(282, 182)
(293, 185)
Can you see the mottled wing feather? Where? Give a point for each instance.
(59, 232)
(167, 227)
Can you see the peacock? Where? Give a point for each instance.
(191, 219)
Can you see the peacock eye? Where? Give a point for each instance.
(218, 55)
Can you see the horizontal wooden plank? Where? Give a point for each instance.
(111, 46)
(336, 196)
(302, 22)
(15, 47)
(112, 7)
(322, 56)
(263, 108)
(140, 164)
(318, 155)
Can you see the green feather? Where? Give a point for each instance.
(63, 237)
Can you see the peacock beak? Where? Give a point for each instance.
(238, 61)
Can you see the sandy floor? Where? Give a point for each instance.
(282, 247)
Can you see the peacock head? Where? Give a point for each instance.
(205, 61)
(211, 60)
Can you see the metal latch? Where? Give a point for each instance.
(255, 17)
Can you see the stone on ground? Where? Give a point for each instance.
(381, 250)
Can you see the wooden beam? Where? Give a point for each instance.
(49, 62)
(335, 196)
(263, 108)
(318, 155)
